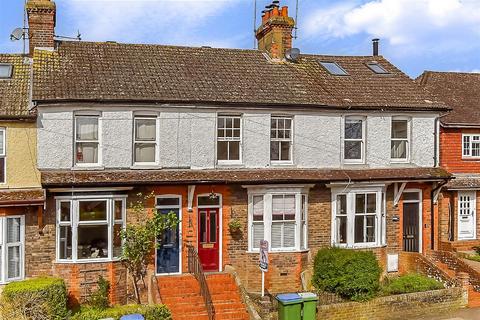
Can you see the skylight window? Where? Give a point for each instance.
(334, 68)
(5, 71)
(375, 67)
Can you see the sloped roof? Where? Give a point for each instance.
(460, 91)
(57, 178)
(15, 92)
(87, 71)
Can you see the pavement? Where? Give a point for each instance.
(462, 314)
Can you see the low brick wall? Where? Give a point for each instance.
(394, 307)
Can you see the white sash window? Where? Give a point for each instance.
(12, 248)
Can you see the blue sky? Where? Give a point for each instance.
(415, 34)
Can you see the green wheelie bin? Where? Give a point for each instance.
(309, 301)
(289, 306)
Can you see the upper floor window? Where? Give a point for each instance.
(145, 140)
(281, 139)
(6, 71)
(354, 140)
(89, 228)
(229, 138)
(280, 217)
(357, 218)
(87, 140)
(3, 155)
(400, 139)
(471, 146)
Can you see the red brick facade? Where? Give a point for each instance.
(451, 151)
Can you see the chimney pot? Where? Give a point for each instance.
(284, 11)
(375, 43)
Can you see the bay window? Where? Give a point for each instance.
(278, 215)
(87, 142)
(145, 140)
(12, 248)
(358, 218)
(354, 140)
(89, 228)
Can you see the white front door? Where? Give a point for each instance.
(466, 215)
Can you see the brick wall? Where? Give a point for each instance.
(451, 151)
(403, 306)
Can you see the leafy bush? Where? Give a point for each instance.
(473, 257)
(39, 298)
(150, 312)
(477, 250)
(99, 298)
(351, 274)
(408, 283)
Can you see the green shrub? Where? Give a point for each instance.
(151, 312)
(351, 274)
(408, 283)
(99, 298)
(48, 295)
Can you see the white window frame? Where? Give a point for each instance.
(180, 242)
(5, 245)
(362, 140)
(267, 192)
(467, 152)
(74, 223)
(99, 141)
(3, 154)
(279, 140)
(239, 139)
(380, 221)
(157, 134)
(408, 139)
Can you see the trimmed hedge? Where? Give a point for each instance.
(150, 312)
(352, 274)
(51, 292)
(409, 283)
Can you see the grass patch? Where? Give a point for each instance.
(409, 283)
(150, 312)
(473, 257)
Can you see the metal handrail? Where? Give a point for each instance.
(195, 268)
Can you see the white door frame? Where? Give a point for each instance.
(474, 210)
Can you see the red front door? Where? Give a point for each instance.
(208, 239)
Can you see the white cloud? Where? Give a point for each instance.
(154, 21)
(412, 25)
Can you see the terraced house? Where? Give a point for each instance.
(459, 145)
(302, 151)
(21, 195)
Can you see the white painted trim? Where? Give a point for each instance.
(470, 135)
(180, 234)
(420, 213)
(409, 139)
(4, 248)
(155, 117)
(240, 151)
(398, 192)
(292, 135)
(99, 162)
(191, 194)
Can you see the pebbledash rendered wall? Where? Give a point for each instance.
(187, 137)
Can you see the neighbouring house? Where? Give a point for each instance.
(21, 196)
(304, 152)
(459, 154)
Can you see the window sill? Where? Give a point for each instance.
(80, 168)
(281, 163)
(279, 251)
(353, 162)
(233, 164)
(145, 167)
(357, 246)
(84, 261)
(401, 161)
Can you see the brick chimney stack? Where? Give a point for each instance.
(275, 34)
(41, 24)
